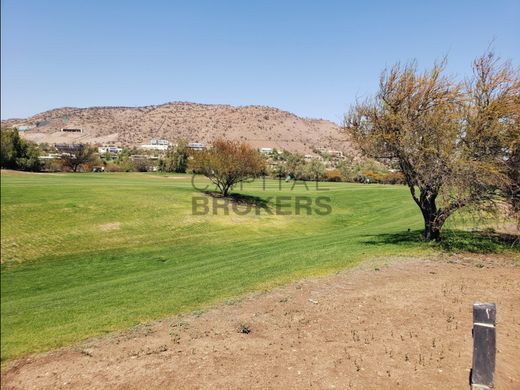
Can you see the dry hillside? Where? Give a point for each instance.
(131, 126)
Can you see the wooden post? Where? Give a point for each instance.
(484, 346)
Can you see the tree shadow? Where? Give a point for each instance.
(241, 199)
(452, 240)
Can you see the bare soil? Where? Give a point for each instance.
(399, 323)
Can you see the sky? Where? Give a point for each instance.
(312, 58)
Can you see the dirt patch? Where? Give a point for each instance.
(107, 227)
(387, 324)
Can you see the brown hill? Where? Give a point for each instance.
(132, 126)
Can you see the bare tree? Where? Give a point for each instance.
(453, 141)
(228, 163)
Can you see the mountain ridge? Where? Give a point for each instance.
(261, 126)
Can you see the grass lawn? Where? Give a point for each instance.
(85, 254)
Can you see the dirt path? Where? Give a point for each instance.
(389, 324)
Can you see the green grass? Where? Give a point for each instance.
(85, 254)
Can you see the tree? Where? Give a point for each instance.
(176, 158)
(16, 153)
(450, 139)
(279, 171)
(124, 161)
(228, 163)
(77, 156)
(294, 164)
(314, 170)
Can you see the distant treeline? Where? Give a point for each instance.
(19, 154)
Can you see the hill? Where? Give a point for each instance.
(132, 126)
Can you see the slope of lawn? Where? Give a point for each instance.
(85, 254)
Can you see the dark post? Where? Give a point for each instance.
(484, 346)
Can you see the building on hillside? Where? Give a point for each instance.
(24, 128)
(196, 146)
(156, 144)
(310, 157)
(109, 149)
(71, 130)
(159, 142)
(265, 150)
(67, 148)
(142, 157)
(50, 156)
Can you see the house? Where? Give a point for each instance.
(67, 148)
(157, 144)
(266, 150)
(71, 130)
(142, 157)
(24, 128)
(49, 157)
(109, 149)
(196, 146)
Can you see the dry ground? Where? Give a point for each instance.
(403, 324)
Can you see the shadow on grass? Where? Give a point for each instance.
(240, 199)
(487, 241)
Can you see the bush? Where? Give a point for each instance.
(394, 178)
(142, 165)
(333, 175)
(52, 166)
(111, 167)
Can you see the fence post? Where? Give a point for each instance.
(484, 346)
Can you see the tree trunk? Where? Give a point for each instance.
(433, 220)
(432, 230)
(225, 190)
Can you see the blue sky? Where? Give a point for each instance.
(313, 58)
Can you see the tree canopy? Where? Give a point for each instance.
(228, 163)
(16, 153)
(456, 143)
(77, 156)
(176, 158)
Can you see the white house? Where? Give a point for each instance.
(196, 146)
(266, 150)
(157, 144)
(109, 149)
(24, 128)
